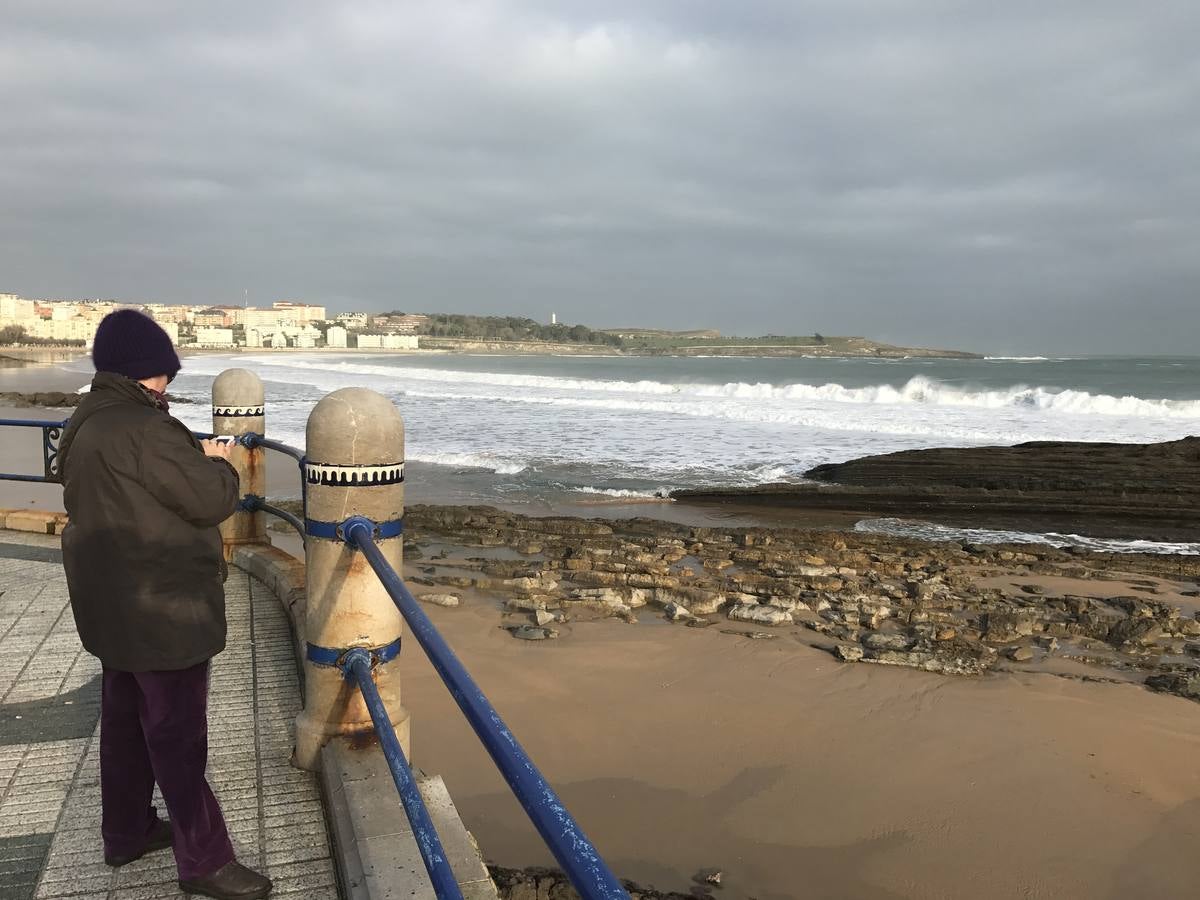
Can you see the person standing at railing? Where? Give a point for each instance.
(145, 572)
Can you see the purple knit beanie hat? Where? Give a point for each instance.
(134, 345)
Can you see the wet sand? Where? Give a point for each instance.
(798, 776)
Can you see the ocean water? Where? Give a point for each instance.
(630, 427)
(604, 432)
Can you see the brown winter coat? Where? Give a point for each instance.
(142, 551)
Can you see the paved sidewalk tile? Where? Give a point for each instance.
(49, 746)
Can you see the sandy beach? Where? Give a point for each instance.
(682, 749)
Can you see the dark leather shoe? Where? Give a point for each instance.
(232, 881)
(160, 839)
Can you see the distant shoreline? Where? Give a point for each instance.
(854, 349)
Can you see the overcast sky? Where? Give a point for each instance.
(1004, 176)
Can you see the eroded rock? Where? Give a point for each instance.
(760, 614)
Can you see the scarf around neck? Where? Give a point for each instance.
(159, 398)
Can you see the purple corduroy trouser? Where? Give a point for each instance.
(154, 728)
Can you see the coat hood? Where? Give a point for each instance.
(107, 390)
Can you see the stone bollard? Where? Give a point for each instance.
(237, 397)
(354, 467)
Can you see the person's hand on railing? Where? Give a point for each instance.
(218, 449)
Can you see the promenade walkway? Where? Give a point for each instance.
(49, 744)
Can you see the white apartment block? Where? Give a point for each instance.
(387, 342)
(161, 313)
(16, 311)
(353, 319)
(77, 328)
(60, 312)
(255, 317)
(298, 313)
(214, 337)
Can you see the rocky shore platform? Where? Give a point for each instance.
(949, 608)
(1134, 491)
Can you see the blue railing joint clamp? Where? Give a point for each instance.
(343, 530)
(340, 531)
(251, 503)
(340, 659)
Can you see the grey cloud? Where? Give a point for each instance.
(997, 176)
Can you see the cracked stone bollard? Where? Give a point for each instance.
(354, 467)
(237, 400)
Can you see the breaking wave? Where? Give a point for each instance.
(624, 494)
(920, 390)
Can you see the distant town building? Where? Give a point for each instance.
(406, 324)
(163, 314)
(76, 328)
(214, 337)
(212, 318)
(15, 310)
(305, 338)
(289, 311)
(354, 321)
(288, 323)
(255, 317)
(387, 341)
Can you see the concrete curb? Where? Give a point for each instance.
(34, 521)
(377, 854)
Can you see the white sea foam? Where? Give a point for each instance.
(469, 461)
(920, 390)
(623, 494)
(826, 420)
(935, 532)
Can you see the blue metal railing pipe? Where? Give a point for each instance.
(257, 440)
(33, 423)
(254, 503)
(357, 664)
(587, 872)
